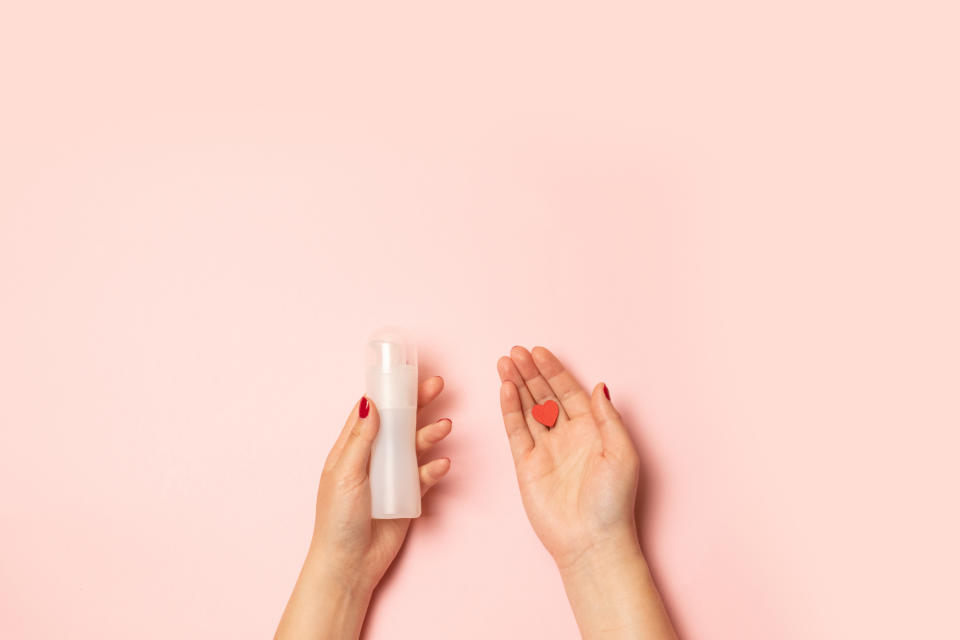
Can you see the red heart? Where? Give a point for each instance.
(546, 413)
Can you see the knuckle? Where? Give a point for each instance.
(347, 482)
(356, 431)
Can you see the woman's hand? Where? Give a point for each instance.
(350, 551)
(578, 482)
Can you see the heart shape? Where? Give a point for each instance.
(546, 413)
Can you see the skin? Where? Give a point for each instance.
(350, 551)
(578, 483)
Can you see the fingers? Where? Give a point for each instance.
(427, 435)
(509, 373)
(616, 438)
(514, 420)
(538, 385)
(337, 447)
(431, 434)
(428, 390)
(356, 449)
(573, 398)
(431, 472)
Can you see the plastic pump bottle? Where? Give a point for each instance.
(391, 364)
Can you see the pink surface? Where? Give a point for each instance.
(742, 216)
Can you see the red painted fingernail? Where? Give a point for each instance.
(364, 407)
(606, 391)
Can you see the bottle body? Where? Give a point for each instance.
(392, 385)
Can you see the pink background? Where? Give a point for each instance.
(743, 216)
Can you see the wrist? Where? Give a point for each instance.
(326, 603)
(612, 593)
(617, 548)
(325, 570)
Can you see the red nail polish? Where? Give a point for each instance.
(606, 391)
(364, 407)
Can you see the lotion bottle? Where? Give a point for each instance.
(391, 370)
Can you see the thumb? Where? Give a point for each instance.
(363, 430)
(615, 436)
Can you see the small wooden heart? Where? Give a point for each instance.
(546, 413)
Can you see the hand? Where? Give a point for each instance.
(578, 480)
(356, 547)
(350, 551)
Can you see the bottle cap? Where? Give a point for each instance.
(390, 349)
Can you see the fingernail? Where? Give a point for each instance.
(364, 407)
(447, 419)
(606, 391)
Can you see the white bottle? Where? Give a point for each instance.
(392, 384)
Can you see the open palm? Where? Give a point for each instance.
(578, 480)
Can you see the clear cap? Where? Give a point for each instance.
(389, 349)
